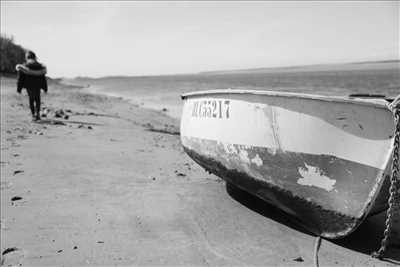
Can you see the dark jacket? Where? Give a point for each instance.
(31, 82)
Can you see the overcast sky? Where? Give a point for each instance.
(143, 38)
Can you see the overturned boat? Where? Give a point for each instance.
(323, 160)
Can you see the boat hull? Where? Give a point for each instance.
(321, 160)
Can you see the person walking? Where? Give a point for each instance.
(31, 76)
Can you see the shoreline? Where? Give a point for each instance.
(170, 110)
(111, 185)
(91, 90)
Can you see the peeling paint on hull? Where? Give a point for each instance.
(308, 157)
(310, 215)
(332, 213)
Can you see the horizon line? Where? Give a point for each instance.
(233, 70)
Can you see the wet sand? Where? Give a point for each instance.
(111, 185)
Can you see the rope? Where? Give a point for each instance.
(317, 245)
(395, 104)
(394, 180)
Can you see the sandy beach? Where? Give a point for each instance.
(101, 181)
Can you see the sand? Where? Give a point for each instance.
(111, 185)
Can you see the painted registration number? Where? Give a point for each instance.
(211, 109)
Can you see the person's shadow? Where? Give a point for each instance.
(366, 239)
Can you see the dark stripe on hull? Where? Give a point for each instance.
(320, 211)
(310, 215)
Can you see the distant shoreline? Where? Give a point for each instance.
(392, 63)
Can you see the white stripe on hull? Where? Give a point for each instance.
(353, 132)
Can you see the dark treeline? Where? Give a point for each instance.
(10, 55)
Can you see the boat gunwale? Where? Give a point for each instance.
(378, 103)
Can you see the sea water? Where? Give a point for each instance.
(163, 92)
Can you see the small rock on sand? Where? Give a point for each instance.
(18, 171)
(9, 250)
(298, 259)
(16, 198)
(59, 113)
